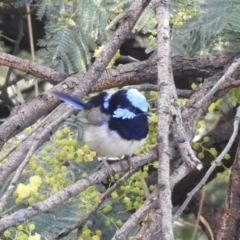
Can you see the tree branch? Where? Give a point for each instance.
(30, 67)
(161, 217)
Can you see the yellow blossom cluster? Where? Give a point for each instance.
(213, 106)
(23, 231)
(115, 57)
(23, 191)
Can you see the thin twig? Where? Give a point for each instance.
(182, 93)
(136, 217)
(196, 227)
(180, 137)
(12, 82)
(145, 186)
(127, 59)
(235, 83)
(17, 175)
(35, 128)
(116, 20)
(30, 30)
(104, 196)
(7, 38)
(215, 163)
(14, 181)
(226, 77)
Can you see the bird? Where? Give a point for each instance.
(115, 123)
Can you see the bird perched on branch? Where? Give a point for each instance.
(114, 123)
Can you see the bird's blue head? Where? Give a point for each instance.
(129, 113)
(126, 104)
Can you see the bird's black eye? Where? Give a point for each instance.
(132, 109)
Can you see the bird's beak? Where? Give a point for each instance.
(146, 113)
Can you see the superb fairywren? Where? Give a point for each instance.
(114, 123)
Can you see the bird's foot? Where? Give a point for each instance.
(128, 158)
(108, 167)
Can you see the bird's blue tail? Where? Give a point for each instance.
(72, 100)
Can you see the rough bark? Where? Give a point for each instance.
(230, 215)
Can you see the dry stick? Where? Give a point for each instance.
(235, 83)
(35, 69)
(199, 215)
(30, 30)
(116, 20)
(180, 137)
(65, 194)
(182, 93)
(208, 173)
(162, 223)
(183, 67)
(208, 227)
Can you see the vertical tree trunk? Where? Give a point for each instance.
(229, 219)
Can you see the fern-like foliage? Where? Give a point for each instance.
(209, 31)
(0, 37)
(73, 31)
(15, 3)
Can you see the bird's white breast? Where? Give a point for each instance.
(108, 143)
